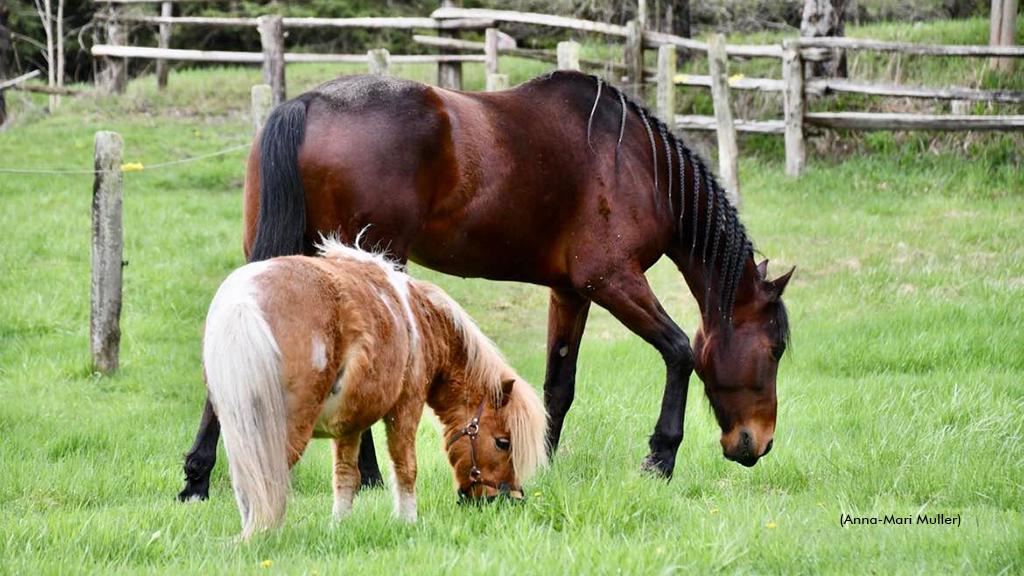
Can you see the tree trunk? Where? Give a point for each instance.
(677, 17)
(60, 48)
(5, 49)
(825, 18)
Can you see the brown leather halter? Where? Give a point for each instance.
(472, 430)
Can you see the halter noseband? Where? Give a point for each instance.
(472, 430)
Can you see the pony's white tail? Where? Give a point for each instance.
(242, 362)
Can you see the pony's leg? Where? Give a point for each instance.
(567, 317)
(368, 469)
(346, 474)
(401, 427)
(629, 298)
(201, 457)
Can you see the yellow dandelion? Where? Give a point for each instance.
(660, 550)
(714, 511)
(267, 563)
(536, 494)
(770, 525)
(314, 572)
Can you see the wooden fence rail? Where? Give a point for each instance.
(792, 53)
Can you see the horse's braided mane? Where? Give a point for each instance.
(720, 215)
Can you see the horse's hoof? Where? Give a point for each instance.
(370, 482)
(190, 494)
(656, 467)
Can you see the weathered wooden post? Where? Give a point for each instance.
(1003, 31)
(667, 83)
(107, 251)
(497, 82)
(491, 51)
(634, 55)
(569, 55)
(113, 78)
(793, 106)
(449, 74)
(378, 62)
(262, 98)
(164, 42)
(271, 30)
(728, 151)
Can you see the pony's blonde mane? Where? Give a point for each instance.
(486, 367)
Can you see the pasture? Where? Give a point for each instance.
(902, 393)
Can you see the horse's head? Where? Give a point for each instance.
(738, 363)
(499, 442)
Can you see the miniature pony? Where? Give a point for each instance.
(300, 347)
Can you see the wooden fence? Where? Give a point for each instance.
(792, 54)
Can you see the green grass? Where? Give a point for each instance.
(903, 390)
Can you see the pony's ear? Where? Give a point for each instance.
(775, 288)
(506, 391)
(762, 269)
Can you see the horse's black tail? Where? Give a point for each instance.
(281, 227)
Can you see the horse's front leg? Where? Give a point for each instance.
(567, 317)
(369, 472)
(629, 298)
(201, 457)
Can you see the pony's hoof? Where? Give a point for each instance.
(657, 467)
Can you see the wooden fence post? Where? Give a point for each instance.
(107, 252)
(164, 42)
(793, 107)
(113, 79)
(1003, 31)
(379, 62)
(569, 55)
(262, 99)
(449, 74)
(497, 82)
(271, 30)
(667, 83)
(491, 51)
(728, 151)
(634, 53)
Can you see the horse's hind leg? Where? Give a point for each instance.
(629, 298)
(346, 474)
(567, 317)
(201, 457)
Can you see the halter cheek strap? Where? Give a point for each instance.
(472, 430)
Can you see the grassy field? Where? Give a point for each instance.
(903, 392)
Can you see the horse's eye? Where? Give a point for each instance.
(777, 351)
(503, 444)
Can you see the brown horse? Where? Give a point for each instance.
(563, 182)
(298, 347)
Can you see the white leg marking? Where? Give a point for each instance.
(342, 503)
(405, 500)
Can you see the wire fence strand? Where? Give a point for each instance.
(128, 166)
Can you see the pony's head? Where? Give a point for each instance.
(494, 423)
(501, 444)
(738, 362)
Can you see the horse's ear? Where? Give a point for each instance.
(776, 287)
(506, 391)
(762, 269)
